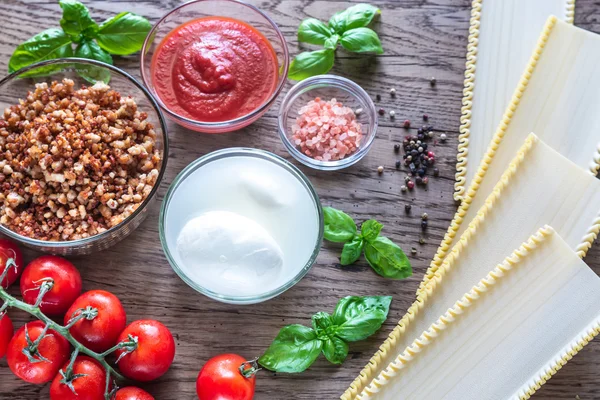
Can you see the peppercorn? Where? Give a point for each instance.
(421, 172)
(378, 97)
(381, 111)
(358, 111)
(396, 148)
(406, 123)
(421, 136)
(392, 114)
(407, 179)
(413, 251)
(410, 185)
(407, 208)
(414, 153)
(393, 92)
(408, 158)
(424, 216)
(421, 241)
(403, 188)
(425, 117)
(432, 81)
(418, 180)
(424, 224)
(397, 164)
(443, 137)
(425, 180)
(430, 127)
(436, 172)
(430, 154)
(380, 169)
(430, 134)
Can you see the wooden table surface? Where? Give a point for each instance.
(421, 38)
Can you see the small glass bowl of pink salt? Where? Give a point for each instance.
(327, 122)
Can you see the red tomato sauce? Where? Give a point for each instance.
(214, 69)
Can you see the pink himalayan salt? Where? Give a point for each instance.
(326, 130)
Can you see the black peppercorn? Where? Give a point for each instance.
(397, 164)
(418, 180)
(407, 208)
(436, 172)
(396, 148)
(421, 172)
(424, 224)
(378, 97)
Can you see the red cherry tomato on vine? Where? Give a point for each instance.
(89, 385)
(100, 333)
(10, 256)
(133, 393)
(6, 333)
(52, 351)
(64, 279)
(221, 379)
(153, 354)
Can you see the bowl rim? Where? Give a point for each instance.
(244, 152)
(163, 125)
(328, 80)
(232, 122)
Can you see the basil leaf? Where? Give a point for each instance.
(294, 349)
(352, 251)
(361, 40)
(360, 15)
(76, 18)
(323, 325)
(123, 34)
(311, 63)
(332, 42)
(339, 226)
(313, 31)
(46, 45)
(91, 73)
(387, 259)
(357, 318)
(335, 350)
(370, 230)
(337, 23)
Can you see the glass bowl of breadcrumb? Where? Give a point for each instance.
(83, 149)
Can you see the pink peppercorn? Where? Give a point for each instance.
(406, 123)
(430, 154)
(410, 185)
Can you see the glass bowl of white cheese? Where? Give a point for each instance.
(241, 225)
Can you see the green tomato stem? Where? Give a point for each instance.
(10, 301)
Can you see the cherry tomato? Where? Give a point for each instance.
(6, 333)
(100, 333)
(53, 347)
(221, 379)
(10, 256)
(153, 354)
(65, 280)
(133, 393)
(90, 385)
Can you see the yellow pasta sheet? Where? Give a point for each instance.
(557, 98)
(502, 35)
(539, 187)
(507, 335)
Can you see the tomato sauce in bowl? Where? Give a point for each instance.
(214, 69)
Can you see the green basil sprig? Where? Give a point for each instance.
(348, 28)
(122, 34)
(296, 347)
(385, 257)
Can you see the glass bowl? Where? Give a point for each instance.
(16, 85)
(220, 8)
(327, 87)
(186, 198)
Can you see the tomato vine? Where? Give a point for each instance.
(88, 313)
